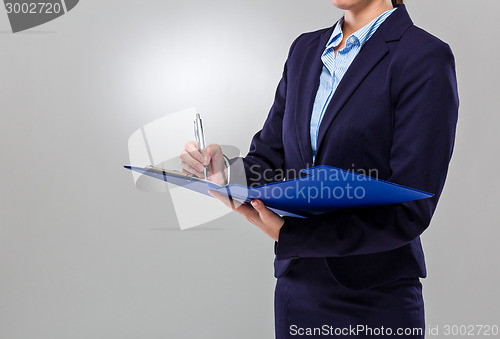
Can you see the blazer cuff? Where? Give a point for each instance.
(288, 245)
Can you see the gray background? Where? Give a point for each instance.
(83, 254)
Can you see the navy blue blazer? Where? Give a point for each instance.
(395, 111)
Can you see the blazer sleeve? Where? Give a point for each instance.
(264, 162)
(425, 116)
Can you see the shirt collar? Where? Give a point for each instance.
(337, 35)
(361, 36)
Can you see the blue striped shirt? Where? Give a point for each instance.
(334, 68)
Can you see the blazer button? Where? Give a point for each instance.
(294, 257)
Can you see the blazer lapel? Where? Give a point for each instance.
(370, 55)
(308, 83)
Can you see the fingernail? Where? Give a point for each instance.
(206, 159)
(255, 203)
(200, 168)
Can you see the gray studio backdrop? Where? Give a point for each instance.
(84, 254)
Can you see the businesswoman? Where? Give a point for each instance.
(372, 92)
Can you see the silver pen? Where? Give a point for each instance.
(200, 138)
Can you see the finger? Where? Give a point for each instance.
(205, 156)
(216, 167)
(250, 214)
(212, 153)
(264, 212)
(189, 160)
(200, 176)
(222, 198)
(246, 210)
(186, 168)
(193, 149)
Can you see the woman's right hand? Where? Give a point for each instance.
(194, 162)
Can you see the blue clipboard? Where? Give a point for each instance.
(322, 189)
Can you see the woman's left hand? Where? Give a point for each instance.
(257, 213)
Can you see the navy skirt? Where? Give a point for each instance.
(310, 303)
